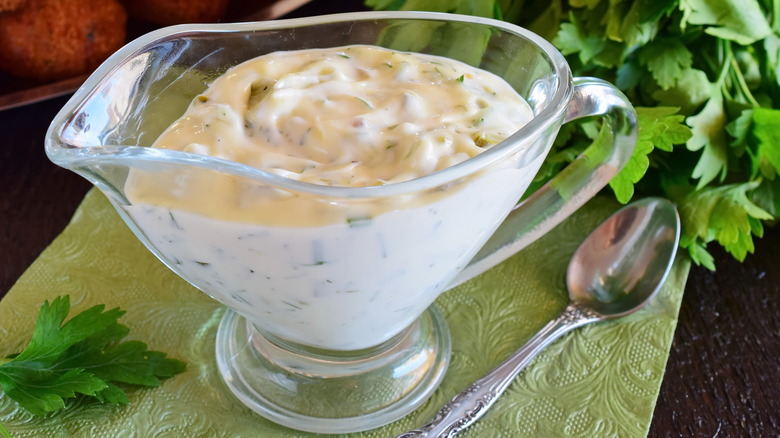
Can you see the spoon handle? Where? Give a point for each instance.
(471, 404)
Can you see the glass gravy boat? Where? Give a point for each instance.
(330, 328)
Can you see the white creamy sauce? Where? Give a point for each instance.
(323, 272)
(341, 286)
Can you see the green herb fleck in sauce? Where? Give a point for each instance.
(358, 221)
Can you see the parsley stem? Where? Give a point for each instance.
(742, 85)
(727, 56)
(776, 16)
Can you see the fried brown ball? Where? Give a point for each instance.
(167, 12)
(55, 39)
(11, 5)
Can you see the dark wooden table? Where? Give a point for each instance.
(723, 374)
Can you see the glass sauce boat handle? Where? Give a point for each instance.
(575, 184)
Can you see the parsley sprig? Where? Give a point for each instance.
(85, 355)
(705, 78)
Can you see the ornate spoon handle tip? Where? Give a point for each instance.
(472, 403)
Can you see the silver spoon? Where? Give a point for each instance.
(619, 267)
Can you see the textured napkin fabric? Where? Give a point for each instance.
(599, 381)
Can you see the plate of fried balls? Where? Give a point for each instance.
(52, 45)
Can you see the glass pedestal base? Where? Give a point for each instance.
(333, 391)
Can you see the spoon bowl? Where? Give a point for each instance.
(616, 270)
(624, 261)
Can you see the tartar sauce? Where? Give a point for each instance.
(312, 270)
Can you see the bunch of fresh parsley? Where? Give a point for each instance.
(705, 78)
(85, 355)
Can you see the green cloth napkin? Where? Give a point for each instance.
(600, 381)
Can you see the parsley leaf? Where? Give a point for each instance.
(662, 126)
(667, 59)
(709, 134)
(659, 127)
(650, 11)
(85, 355)
(738, 20)
(572, 39)
(767, 196)
(725, 214)
(689, 92)
(767, 145)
